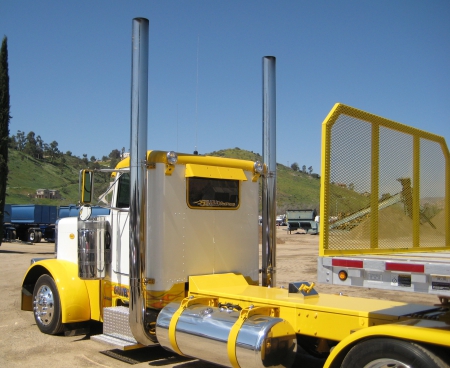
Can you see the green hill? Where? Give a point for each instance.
(295, 189)
(27, 174)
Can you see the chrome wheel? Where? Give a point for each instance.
(386, 363)
(31, 236)
(44, 305)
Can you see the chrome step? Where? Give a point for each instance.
(116, 329)
(118, 342)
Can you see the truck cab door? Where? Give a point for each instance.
(120, 226)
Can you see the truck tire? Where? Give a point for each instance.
(31, 236)
(47, 306)
(11, 234)
(387, 352)
(38, 237)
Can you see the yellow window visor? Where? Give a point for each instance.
(215, 172)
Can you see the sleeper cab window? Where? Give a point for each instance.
(207, 193)
(123, 192)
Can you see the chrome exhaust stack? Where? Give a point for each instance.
(138, 155)
(269, 189)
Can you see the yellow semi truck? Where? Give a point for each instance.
(176, 261)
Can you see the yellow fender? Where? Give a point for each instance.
(73, 292)
(420, 331)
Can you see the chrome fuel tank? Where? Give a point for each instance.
(203, 332)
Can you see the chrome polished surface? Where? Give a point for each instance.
(203, 332)
(138, 154)
(269, 199)
(44, 305)
(93, 252)
(386, 363)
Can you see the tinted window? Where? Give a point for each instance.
(123, 197)
(212, 193)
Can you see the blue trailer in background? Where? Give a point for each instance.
(29, 222)
(35, 222)
(73, 210)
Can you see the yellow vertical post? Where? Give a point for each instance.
(374, 185)
(447, 200)
(325, 178)
(416, 192)
(447, 192)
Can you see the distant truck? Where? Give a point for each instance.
(302, 219)
(35, 222)
(29, 222)
(281, 220)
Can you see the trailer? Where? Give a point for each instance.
(29, 223)
(397, 241)
(34, 223)
(176, 260)
(73, 210)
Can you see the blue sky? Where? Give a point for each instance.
(70, 70)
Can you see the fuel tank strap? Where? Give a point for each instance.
(245, 314)
(172, 330)
(185, 303)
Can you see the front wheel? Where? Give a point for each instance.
(386, 352)
(47, 306)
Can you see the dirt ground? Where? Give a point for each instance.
(21, 343)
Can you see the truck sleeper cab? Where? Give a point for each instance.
(200, 216)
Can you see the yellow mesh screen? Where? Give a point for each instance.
(385, 186)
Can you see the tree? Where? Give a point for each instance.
(113, 163)
(39, 147)
(93, 159)
(20, 140)
(85, 160)
(310, 169)
(53, 150)
(295, 166)
(115, 154)
(4, 128)
(304, 168)
(31, 145)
